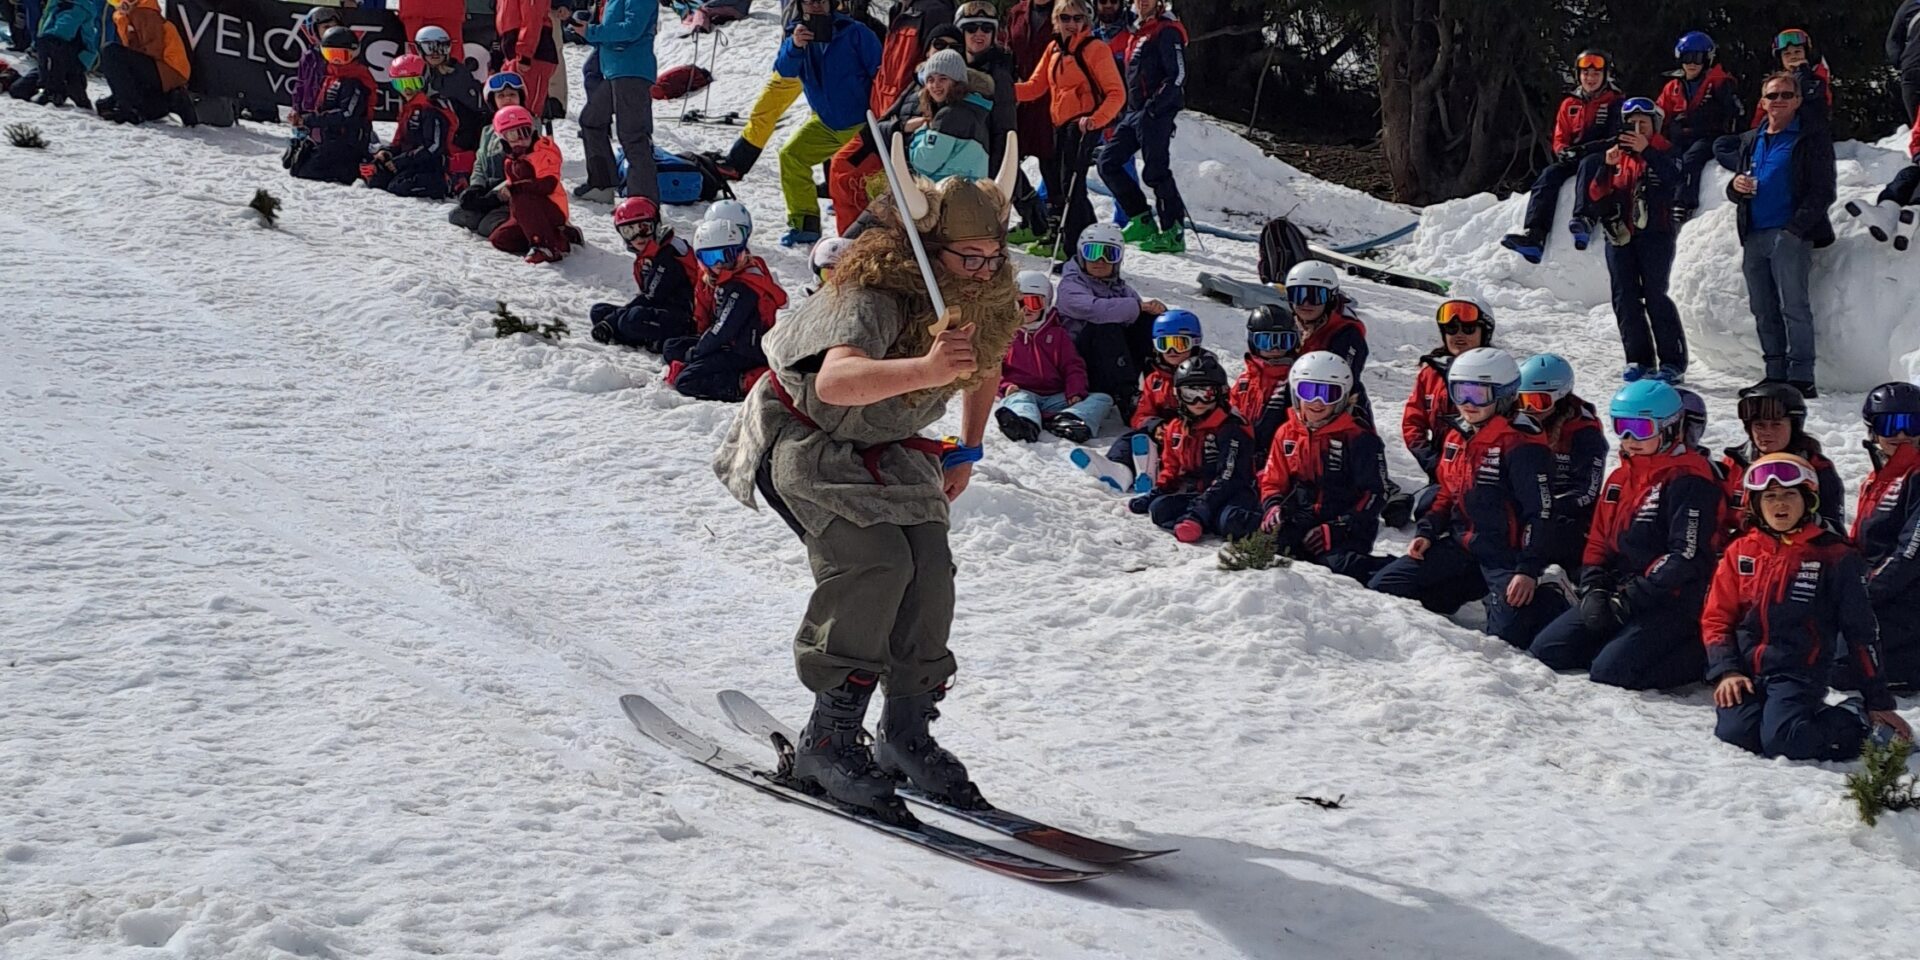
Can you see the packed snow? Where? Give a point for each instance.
(316, 600)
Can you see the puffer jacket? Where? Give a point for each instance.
(143, 27)
(1085, 299)
(1043, 361)
(954, 144)
(1074, 94)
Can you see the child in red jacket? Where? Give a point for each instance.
(1130, 462)
(1428, 417)
(1043, 381)
(734, 307)
(665, 273)
(1260, 395)
(1788, 600)
(1582, 130)
(1206, 463)
(1886, 526)
(1701, 104)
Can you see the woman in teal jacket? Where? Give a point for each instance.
(956, 114)
(69, 43)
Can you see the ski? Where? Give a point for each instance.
(663, 729)
(729, 119)
(754, 719)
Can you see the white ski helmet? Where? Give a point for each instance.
(432, 34)
(1487, 365)
(1103, 233)
(1314, 273)
(1034, 282)
(715, 234)
(827, 252)
(1322, 366)
(733, 211)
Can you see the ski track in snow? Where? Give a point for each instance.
(316, 600)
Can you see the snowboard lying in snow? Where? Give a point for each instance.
(1248, 294)
(1245, 294)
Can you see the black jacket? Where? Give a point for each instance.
(1814, 186)
(997, 62)
(1903, 37)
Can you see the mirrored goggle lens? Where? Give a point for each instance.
(1109, 252)
(1287, 340)
(505, 81)
(1459, 327)
(1198, 394)
(437, 48)
(1895, 424)
(636, 230)
(408, 85)
(1312, 296)
(1177, 343)
(1534, 401)
(1785, 473)
(1311, 392)
(1634, 428)
(1033, 301)
(1790, 38)
(336, 54)
(1458, 311)
(1591, 62)
(715, 256)
(1472, 394)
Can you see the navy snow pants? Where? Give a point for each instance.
(1652, 653)
(1788, 716)
(1450, 577)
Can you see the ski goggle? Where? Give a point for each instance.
(1175, 343)
(1534, 401)
(1790, 38)
(1786, 473)
(1263, 340)
(1895, 424)
(1458, 316)
(1591, 61)
(1206, 394)
(337, 54)
(1310, 391)
(635, 230)
(1700, 57)
(1033, 301)
(408, 86)
(1634, 428)
(715, 256)
(1311, 296)
(1095, 250)
(505, 81)
(1468, 393)
(435, 48)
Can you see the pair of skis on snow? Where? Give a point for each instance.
(1887, 221)
(753, 719)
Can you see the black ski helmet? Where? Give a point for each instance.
(1774, 401)
(1203, 369)
(1895, 397)
(1606, 62)
(1270, 318)
(340, 38)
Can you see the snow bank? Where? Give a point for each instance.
(1862, 289)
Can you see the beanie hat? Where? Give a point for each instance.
(944, 63)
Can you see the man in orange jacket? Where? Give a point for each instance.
(146, 68)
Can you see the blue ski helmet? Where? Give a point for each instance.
(1695, 47)
(1547, 373)
(1177, 323)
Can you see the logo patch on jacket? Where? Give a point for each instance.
(1287, 447)
(1613, 493)
(1489, 469)
(1745, 566)
(1806, 583)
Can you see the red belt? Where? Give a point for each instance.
(869, 457)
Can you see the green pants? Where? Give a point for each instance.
(882, 602)
(779, 94)
(809, 146)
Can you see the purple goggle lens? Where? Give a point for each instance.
(1473, 394)
(1635, 428)
(1311, 392)
(1785, 473)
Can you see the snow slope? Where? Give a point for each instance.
(316, 599)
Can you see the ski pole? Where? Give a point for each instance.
(895, 182)
(1202, 244)
(1060, 232)
(713, 61)
(687, 96)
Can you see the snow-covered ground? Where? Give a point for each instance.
(316, 600)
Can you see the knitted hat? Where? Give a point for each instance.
(944, 63)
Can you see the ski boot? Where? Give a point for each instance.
(833, 757)
(1633, 372)
(906, 751)
(1909, 224)
(1022, 236)
(1070, 428)
(1526, 245)
(1111, 475)
(602, 332)
(1015, 426)
(1669, 374)
(1582, 230)
(1140, 228)
(1880, 219)
(803, 234)
(1171, 240)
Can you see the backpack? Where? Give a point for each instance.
(680, 179)
(680, 81)
(1281, 246)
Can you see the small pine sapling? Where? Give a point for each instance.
(506, 323)
(1255, 551)
(1883, 784)
(266, 205)
(26, 135)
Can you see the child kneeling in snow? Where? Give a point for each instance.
(536, 200)
(666, 273)
(1260, 395)
(415, 164)
(734, 307)
(1788, 600)
(1206, 464)
(1129, 462)
(1325, 478)
(1043, 381)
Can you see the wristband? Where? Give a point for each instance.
(957, 453)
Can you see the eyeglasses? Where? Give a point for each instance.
(1786, 473)
(1175, 343)
(1313, 296)
(1790, 38)
(1071, 18)
(971, 262)
(1094, 250)
(1591, 61)
(1634, 428)
(1033, 301)
(635, 230)
(1781, 95)
(978, 26)
(1265, 340)
(1895, 424)
(1467, 393)
(715, 256)
(1535, 401)
(1310, 391)
(1206, 394)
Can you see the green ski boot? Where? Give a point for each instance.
(1140, 229)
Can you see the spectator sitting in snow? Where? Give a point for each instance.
(449, 80)
(483, 204)
(1787, 602)
(415, 164)
(1325, 478)
(1043, 381)
(666, 275)
(1701, 105)
(825, 256)
(1583, 130)
(1487, 533)
(1260, 394)
(1886, 526)
(1129, 464)
(1328, 322)
(734, 307)
(1634, 198)
(147, 69)
(1648, 556)
(69, 43)
(1206, 461)
(1895, 213)
(536, 199)
(1579, 445)
(1111, 324)
(340, 125)
(1774, 417)
(309, 77)
(1428, 417)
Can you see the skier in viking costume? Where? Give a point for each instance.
(832, 440)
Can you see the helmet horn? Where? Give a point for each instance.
(910, 192)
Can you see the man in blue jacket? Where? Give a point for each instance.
(836, 58)
(622, 36)
(1156, 75)
(1783, 184)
